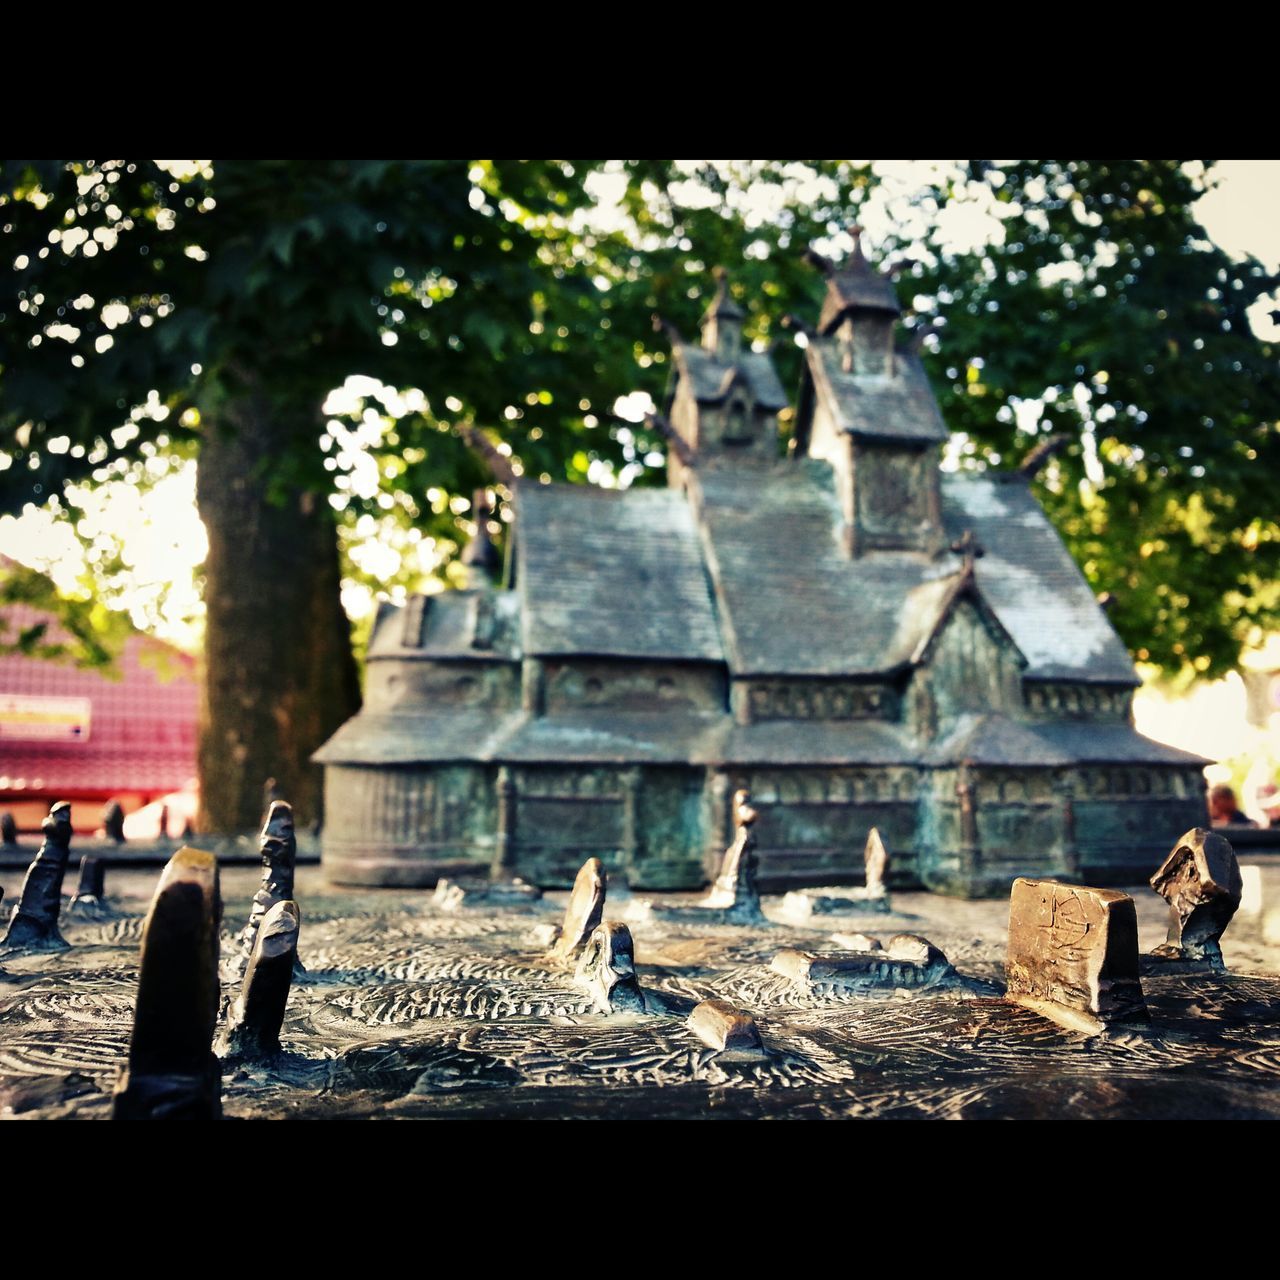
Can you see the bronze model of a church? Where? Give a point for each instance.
(855, 636)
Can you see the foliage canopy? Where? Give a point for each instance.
(139, 297)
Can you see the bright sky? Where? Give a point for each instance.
(162, 540)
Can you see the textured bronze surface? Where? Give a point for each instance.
(857, 637)
(1073, 954)
(734, 896)
(452, 895)
(1200, 880)
(607, 969)
(584, 912)
(871, 897)
(908, 961)
(718, 1024)
(408, 1011)
(34, 922)
(279, 847)
(171, 1072)
(254, 1032)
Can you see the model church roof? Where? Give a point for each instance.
(745, 566)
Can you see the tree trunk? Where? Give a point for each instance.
(279, 673)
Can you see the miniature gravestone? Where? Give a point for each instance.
(908, 961)
(8, 830)
(584, 912)
(113, 822)
(34, 922)
(1073, 955)
(279, 848)
(1202, 884)
(873, 896)
(733, 898)
(607, 968)
(258, 1015)
(90, 897)
(172, 1073)
(727, 1030)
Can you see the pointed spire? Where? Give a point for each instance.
(278, 845)
(34, 922)
(722, 304)
(722, 323)
(255, 1020)
(855, 286)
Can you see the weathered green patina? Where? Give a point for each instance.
(848, 633)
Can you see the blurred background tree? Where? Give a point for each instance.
(326, 337)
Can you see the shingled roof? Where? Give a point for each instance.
(897, 407)
(855, 285)
(792, 603)
(711, 381)
(475, 625)
(418, 736)
(996, 739)
(517, 737)
(610, 572)
(1031, 582)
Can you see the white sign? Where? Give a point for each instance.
(24, 718)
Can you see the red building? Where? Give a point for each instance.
(89, 736)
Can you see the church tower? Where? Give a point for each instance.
(866, 407)
(722, 400)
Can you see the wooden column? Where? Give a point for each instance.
(630, 841)
(970, 848)
(504, 850)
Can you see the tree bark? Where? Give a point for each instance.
(279, 672)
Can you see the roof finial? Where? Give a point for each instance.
(816, 259)
(662, 325)
(722, 322)
(854, 286)
(722, 304)
(969, 548)
(480, 557)
(479, 443)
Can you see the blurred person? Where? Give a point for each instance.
(1223, 810)
(1268, 801)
